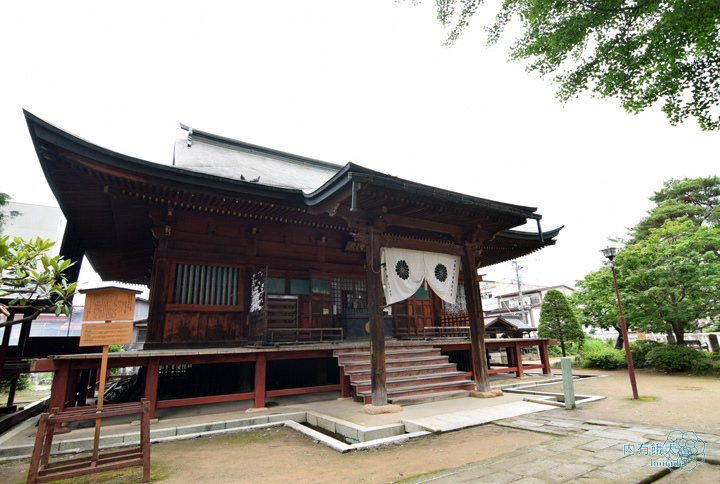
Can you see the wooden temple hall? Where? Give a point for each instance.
(273, 274)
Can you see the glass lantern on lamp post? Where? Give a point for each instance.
(610, 254)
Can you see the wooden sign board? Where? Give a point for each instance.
(109, 304)
(102, 334)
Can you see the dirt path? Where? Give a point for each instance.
(280, 455)
(676, 401)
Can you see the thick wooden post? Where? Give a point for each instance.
(344, 384)
(377, 324)
(152, 376)
(475, 319)
(518, 359)
(260, 369)
(58, 392)
(544, 358)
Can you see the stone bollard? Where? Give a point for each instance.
(568, 386)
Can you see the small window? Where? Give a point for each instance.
(299, 286)
(320, 286)
(275, 285)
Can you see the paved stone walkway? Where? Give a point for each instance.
(585, 451)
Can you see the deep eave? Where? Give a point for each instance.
(115, 231)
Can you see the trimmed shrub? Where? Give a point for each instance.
(639, 350)
(674, 358)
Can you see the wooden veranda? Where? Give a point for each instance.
(66, 391)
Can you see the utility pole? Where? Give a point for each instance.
(521, 298)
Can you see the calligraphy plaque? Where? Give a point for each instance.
(102, 334)
(109, 304)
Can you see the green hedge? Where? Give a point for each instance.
(639, 350)
(646, 353)
(676, 358)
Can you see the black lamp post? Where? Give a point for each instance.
(610, 253)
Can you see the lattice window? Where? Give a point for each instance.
(349, 296)
(208, 285)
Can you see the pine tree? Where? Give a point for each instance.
(558, 320)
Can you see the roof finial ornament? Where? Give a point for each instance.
(190, 133)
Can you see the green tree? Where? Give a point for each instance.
(557, 320)
(639, 51)
(33, 280)
(671, 279)
(595, 302)
(698, 199)
(4, 216)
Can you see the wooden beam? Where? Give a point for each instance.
(420, 224)
(377, 324)
(477, 324)
(420, 244)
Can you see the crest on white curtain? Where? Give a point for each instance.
(403, 272)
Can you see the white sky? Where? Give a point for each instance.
(363, 81)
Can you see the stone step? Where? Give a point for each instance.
(389, 355)
(406, 362)
(358, 375)
(366, 349)
(415, 390)
(414, 380)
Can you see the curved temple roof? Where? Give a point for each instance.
(221, 175)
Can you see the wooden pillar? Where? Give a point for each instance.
(518, 359)
(59, 385)
(260, 369)
(377, 323)
(151, 384)
(545, 358)
(13, 387)
(344, 383)
(92, 382)
(158, 297)
(5, 345)
(71, 388)
(476, 321)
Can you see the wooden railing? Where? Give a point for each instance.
(305, 335)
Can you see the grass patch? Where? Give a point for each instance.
(130, 475)
(646, 398)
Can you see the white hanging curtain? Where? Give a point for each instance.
(442, 272)
(403, 272)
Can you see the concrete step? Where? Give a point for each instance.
(359, 375)
(414, 380)
(429, 397)
(415, 390)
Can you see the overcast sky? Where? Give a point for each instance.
(363, 81)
